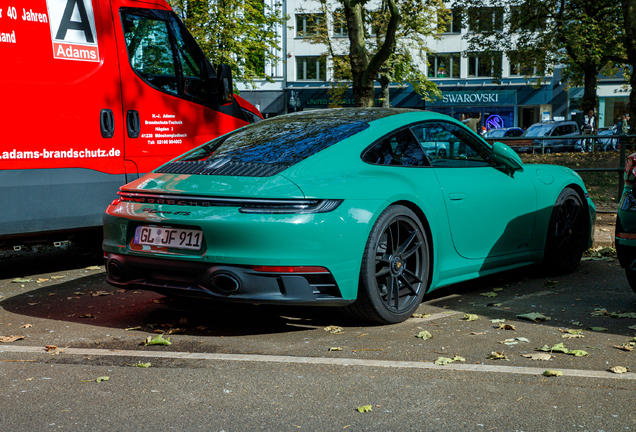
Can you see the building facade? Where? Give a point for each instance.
(302, 79)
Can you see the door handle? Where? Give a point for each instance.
(107, 123)
(133, 125)
(457, 196)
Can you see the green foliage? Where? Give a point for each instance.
(242, 33)
(586, 37)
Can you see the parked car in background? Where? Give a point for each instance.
(551, 129)
(510, 132)
(608, 144)
(345, 208)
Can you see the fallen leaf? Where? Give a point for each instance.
(572, 336)
(629, 346)
(489, 294)
(522, 339)
(538, 356)
(497, 289)
(506, 327)
(78, 293)
(50, 348)
(365, 408)
(478, 333)
(493, 305)
(58, 277)
(133, 328)
(578, 353)
(417, 315)
(572, 331)
(26, 326)
(93, 268)
(175, 331)
(598, 329)
(201, 328)
(619, 369)
(98, 379)
(498, 356)
(43, 280)
(424, 335)
(441, 361)
(550, 283)
(552, 373)
(101, 293)
(143, 365)
(534, 316)
(12, 338)
(470, 317)
(499, 320)
(334, 329)
(509, 342)
(20, 280)
(458, 358)
(158, 340)
(86, 316)
(556, 348)
(335, 349)
(604, 312)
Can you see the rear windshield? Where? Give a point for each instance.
(284, 141)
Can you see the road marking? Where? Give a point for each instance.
(320, 361)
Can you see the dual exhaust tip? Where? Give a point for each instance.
(222, 282)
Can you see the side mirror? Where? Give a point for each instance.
(225, 88)
(504, 155)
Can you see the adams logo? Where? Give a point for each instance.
(73, 33)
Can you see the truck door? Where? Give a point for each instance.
(166, 87)
(62, 142)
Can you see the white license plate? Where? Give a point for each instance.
(177, 238)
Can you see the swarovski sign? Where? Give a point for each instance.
(502, 97)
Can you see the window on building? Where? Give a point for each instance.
(485, 19)
(454, 24)
(373, 20)
(307, 24)
(521, 20)
(484, 66)
(518, 69)
(311, 68)
(444, 65)
(341, 68)
(340, 28)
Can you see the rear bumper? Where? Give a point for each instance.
(222, 282)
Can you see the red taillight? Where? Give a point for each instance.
(626, 236)
(290, 269)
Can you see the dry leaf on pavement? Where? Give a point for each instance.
(538, 356)
(619, 369)
(334, 329)
(26, 326)
(12, 338)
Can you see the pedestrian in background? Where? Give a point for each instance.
(474, 123)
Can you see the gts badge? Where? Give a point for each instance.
(177, 213)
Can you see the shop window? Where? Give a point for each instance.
(307, 24)
(444, 66)
(518, 69)
(485, 19)
(454, 24)
(484, 66)
(310, 69)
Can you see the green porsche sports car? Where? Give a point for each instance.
(356, 208)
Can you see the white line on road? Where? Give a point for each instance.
(320, 361)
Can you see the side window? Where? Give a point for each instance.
(399, 149)
(179, 70)
(449, 145)
(558, 131)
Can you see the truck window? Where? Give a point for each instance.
(160, 54)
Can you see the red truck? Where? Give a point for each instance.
(95, 93)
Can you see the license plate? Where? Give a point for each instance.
(177, 238)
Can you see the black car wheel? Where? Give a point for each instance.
(567, 233)
(395, 268)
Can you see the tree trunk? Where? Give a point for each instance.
(589, 95)
(384, 92)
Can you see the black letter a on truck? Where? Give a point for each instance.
(67, 24)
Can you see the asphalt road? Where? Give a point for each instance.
(242, 368)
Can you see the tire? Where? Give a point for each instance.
(631, 278)
(395, 268)
(567, 233)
